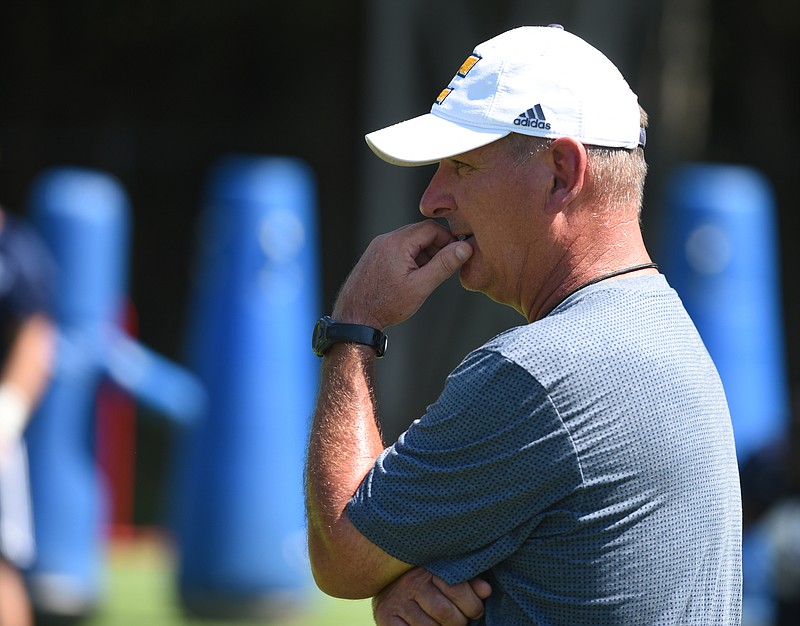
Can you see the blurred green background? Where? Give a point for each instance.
(140, 592)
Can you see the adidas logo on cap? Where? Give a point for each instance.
(533, 117)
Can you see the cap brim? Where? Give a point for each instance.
(427, 139)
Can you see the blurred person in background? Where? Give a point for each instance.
(579, 469)
(27, 348)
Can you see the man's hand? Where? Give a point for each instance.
(397, 272)
(418, 598)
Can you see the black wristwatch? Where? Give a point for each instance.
(327, 332)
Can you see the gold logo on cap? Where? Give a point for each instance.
(467, 65)
(443, 94)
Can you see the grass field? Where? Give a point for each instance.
(140, 592)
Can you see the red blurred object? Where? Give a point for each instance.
(115, 432)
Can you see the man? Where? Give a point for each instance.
(26, 348)
(582, 465)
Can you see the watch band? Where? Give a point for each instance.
(328, 333)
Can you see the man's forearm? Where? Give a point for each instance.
(29, 362)
(394, 276)
(345, 440)
(24, 378)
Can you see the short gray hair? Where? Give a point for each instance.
(617, 174)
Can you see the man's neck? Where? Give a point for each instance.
(573, 273)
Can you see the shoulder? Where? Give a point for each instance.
(27, 270)
(606, 324)
(615, 309)
(20, 238)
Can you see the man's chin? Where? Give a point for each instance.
(464, 278)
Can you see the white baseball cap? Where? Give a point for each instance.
(532, 80)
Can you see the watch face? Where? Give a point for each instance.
(380, 349)
(319, 340)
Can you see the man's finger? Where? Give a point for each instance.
(462, 596)
(414, 615)
(402, 602)
(481, 588)
(441, 610)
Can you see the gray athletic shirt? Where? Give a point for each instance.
(584, 464)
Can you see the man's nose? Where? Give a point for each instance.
(436, 200)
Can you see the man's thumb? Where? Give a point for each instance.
(452, 257)
(446, 262)
(462, 252)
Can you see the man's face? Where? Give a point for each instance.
(486, 196)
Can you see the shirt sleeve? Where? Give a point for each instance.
(27, 272)
(467, 483)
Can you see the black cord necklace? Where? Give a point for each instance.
(624, 270)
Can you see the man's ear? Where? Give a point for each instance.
(569, 169)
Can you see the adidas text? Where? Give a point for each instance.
(534, 123)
